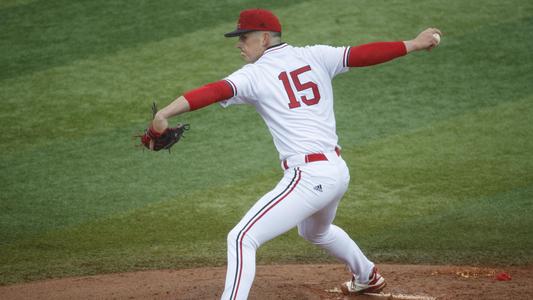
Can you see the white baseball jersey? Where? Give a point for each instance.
(291, 89)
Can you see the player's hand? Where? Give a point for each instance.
(159, 123)
(155, 141)
(424, 41)
(158, 135)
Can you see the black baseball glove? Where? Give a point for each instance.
(156, 141)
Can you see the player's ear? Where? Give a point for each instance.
(265, 39)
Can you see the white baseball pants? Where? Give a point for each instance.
(307, 196)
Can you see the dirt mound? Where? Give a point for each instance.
(286, 282)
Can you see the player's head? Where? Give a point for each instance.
(257, 30)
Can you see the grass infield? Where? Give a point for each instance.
(439, 144)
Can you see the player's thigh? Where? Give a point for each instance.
(320, 221)
(280, 210)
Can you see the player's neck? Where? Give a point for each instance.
(275, 45)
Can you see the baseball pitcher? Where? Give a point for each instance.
(290, 87)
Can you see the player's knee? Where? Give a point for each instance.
(302, 232)
(236, 236)
(306, 234)
(313, 237)
(232, 236)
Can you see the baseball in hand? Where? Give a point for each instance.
(437, 37)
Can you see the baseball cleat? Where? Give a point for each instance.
(375, 284)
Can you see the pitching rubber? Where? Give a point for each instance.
(399, 296)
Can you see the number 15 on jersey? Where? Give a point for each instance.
(309, 85)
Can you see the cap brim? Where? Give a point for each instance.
(237, 32)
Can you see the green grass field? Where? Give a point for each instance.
(440, 144)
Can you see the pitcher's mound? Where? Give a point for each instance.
(300, 282)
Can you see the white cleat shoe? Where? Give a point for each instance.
(375, 284)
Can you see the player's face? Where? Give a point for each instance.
(252, 45)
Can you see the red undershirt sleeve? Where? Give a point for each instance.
(208, 94)
(375, 53)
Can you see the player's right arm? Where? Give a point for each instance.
(193, 100)
(380, 52)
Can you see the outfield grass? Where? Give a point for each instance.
(439, 144)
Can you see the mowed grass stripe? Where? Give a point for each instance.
(474, 232)
(477, 148)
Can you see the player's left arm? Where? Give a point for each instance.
(380, 52)
(192, 100)
(176, 107)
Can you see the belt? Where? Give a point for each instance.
(313, 157)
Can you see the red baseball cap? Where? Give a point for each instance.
(255, 20)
